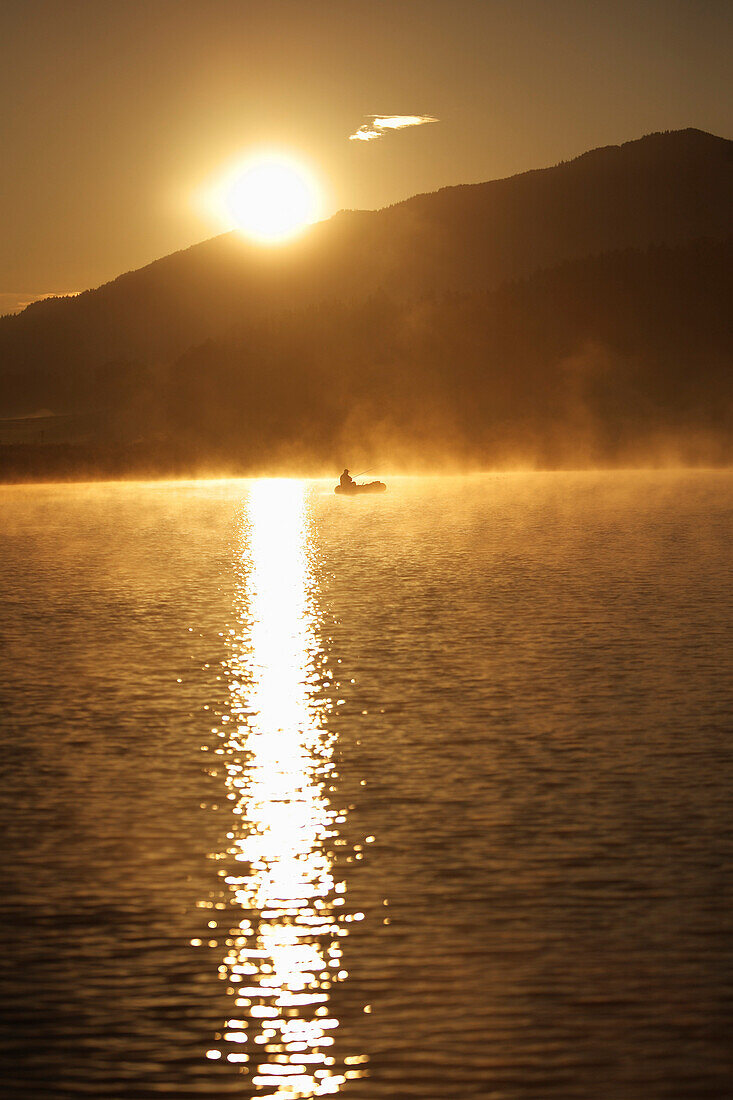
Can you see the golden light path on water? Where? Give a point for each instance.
(284, 954)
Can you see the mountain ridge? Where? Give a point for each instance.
(588, 157)
(156, 338)
(676, 146)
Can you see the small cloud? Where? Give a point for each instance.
(365, 134)
(380, 124)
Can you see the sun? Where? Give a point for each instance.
(269, 198)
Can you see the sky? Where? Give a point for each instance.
(116, 116)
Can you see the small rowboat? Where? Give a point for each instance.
(354, 490)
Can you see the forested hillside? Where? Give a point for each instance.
(569, 315)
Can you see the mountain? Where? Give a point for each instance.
(206, 347)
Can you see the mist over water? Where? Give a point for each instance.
(424, 795)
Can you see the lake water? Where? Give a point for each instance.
(416, 796)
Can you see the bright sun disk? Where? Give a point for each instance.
(269, 199)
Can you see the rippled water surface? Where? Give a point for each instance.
(424, 795)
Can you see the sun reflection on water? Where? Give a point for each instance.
(283, 952)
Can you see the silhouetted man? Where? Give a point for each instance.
(346, 480)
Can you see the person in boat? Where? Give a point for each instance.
(346, 481)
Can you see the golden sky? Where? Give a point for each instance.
(114, 115)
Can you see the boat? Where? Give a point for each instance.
(354, 490)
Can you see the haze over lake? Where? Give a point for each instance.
(422, 796)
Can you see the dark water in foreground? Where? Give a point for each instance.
(425, 795)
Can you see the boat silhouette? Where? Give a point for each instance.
(354, 489)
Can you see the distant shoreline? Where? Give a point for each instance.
(54, 464)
